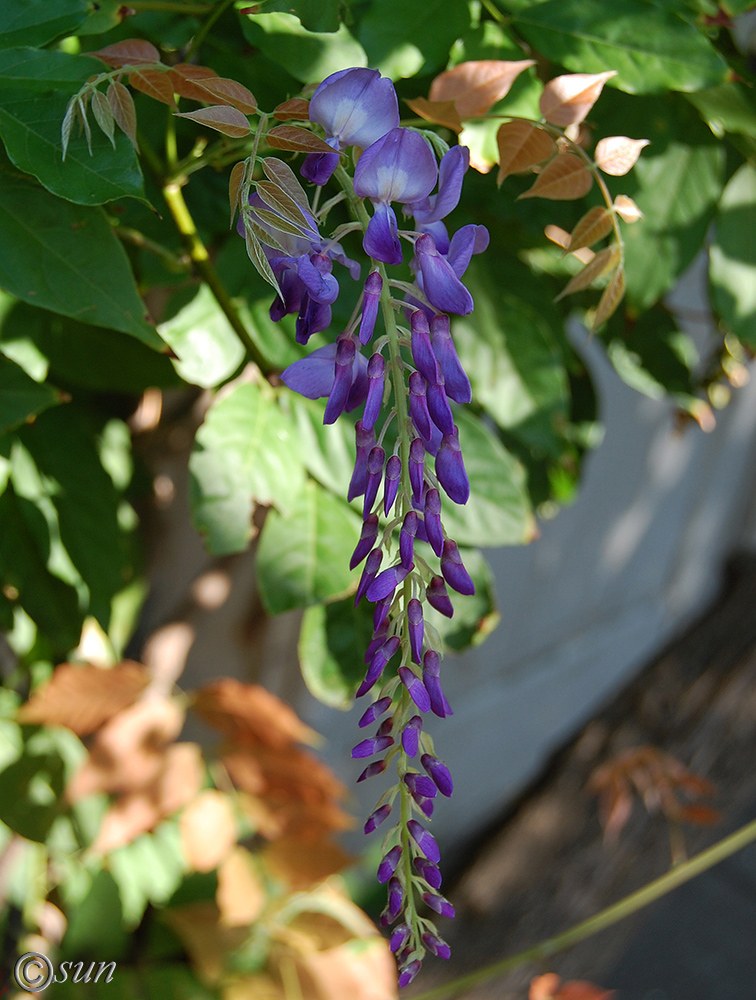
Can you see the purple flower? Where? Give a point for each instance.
(433, 527)
(438, 903)
(411, 736)
(374, 711)
(427, 870)
(373, 287)
(422, 349)
(399, 167)
(369, 573)
(407, 539)
(431, 669)
(439, 773)
(400, 937)
(418, 784)
(355, 106)
(408, 972)
(454, 571)
(450, 468)
(376, 368)
(386, 583)
(457, 383)
(438, 405)
(377, 767)
(315, 376)
(365, 439)
(424, 840)
(388, 865)
(377, 817)
(418, 405)
(442, 287)
(416, 688)
(395, 898)
(430, 210)
(416, 630)
(436, 945)
(391, 483)
(367, 540)
(375, 744)
(417, 468)
(375, 462)
(436, 593)
(378, 665)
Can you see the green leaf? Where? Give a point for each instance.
(315, 15)
(328, 450)
(498, 511)
(35, 88)
(514, 363)
(20, 396)
(677, 193)
(31, 22)
(148, 870)
(63, 448)
(304, 558)
(651, 49)
(24, 549)
(733, 255)
(332, 643)
(208, 349)
(652, 355)
(65, 257)
(404, 39)
(309, 56)
(85, 356)
(31, 792)
(246, 453)
(95, 925)
(729, 107)
(475, 617)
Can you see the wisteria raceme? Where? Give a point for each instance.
(408, 451)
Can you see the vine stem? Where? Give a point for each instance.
(681, 873)
(174, 199)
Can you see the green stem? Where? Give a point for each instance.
(494, 11)
(171, 260)
(678, 875)
(201, 259)
(201, 35)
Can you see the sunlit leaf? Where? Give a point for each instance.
(21, 398)
(626, 209)
(208, 830)
(441, 112)
(282, 203)
(241, 895)
(733, 257)
(228, 92)
(296, 108)
(187, 80)
(247, 713)
(521, 145)
(564, 179)
(476, 86)
(566, 100)
(604, 261)
(298, 140)
(153, 83)
(234, 187)
(594, 226)
(130, 52)
(282, 174)
(221, 118)
(122, 106)
(302, 864)
(617, 154)
(103, 116)
(256, 254)
(610, 299)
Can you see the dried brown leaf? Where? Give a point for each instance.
(302, 864)
(187, 80)
(221, 118)
(476, 86)
(122, 106)
(295, 108)
(521, 146)
(225, 91)
(440, 112)
(248, 713)
(130, 52)
(280, 172)
(626, 209)
(83, 698)
(234, 187)
(565, 178)
(241, 895)
(617, 154)
(103, 115)
(610, 299)
(566, 100)
(604, 261)
(154, 84)
(594, 226)
(207, 940)
(298, 140)
(346, 973)
(208, 830)
(557, 235)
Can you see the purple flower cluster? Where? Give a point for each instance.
(412, 377)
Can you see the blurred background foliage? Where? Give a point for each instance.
(116, 842)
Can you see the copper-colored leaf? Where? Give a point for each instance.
(604, 261)
(131, 52)
(83, 698)
(565, 178)
(247, 712)
(122, 106)
(280, 172)
(208, 830)
(295, 108)
(348, 973)
(441, 112)
(610, 299)
(594, 226)
(617, 154)
(579, 989)
(155, 84)
(206, 939)
(221, 118)
(700, 815)
(544, 987)
(255, 252)
(103, 115)
(234, 187)
(566, 100)
(476, 86)
(302, 864)
(240, 895)
(186, 80)
(224, 91)
(626, 208)
(521, 145)
(283, 205)
(298, 140)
